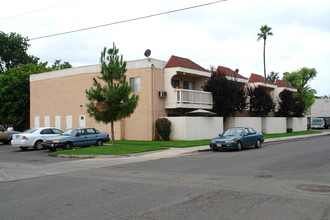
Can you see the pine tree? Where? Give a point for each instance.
(112, 100)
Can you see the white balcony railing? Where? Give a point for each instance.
(193, 99)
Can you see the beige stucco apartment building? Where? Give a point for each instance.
(165, 89)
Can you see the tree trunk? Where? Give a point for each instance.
(112, 134)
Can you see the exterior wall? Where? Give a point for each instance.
(273, 125)
(254, 122)
(195, 128)
(60, 95)
(297, 124)
(320, 108)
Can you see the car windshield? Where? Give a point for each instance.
(233, 132)
(70, 132)
(317, 120)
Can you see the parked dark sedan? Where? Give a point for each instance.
(237, 138)
(76, 137)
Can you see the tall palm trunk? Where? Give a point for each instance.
(265, 58)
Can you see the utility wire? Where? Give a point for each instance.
(129, 20)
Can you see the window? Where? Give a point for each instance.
(188, 85)
(90, 131)
(135, 84)
(46, 131)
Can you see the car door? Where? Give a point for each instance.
(253, 136)
(92, 136)
(248, 138)
(82, 139)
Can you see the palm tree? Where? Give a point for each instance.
(265, 31)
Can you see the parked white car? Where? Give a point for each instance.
(33, 137)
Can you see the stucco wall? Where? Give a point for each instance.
(195, 128)
(254, 122)
(297, 124)
(63, 96)
(273, 125)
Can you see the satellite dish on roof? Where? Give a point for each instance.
(147, 53)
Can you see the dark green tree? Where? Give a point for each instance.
(264, 32)
(15, 92)
(300, 79)
(228, 96)
(272, 77)
(289, 106)
(59, 66)
(261, 103)
(13, 49)
(112, 100)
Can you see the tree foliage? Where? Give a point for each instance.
(300, 79)
(289, 106)
(112, 100)
(228, 96)
(264, 33)
(163, 126)
(261, 103)
(15, 92)
(13, 49)
(272, 77)
(58, 65)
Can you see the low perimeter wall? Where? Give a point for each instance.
(253, 122)
(195, 128)
(273, 125)
(297, 124)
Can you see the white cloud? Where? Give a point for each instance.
(220, 34)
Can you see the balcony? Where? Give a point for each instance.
(193, 99)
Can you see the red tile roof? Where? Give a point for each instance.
(225, 71)
(255, 78)
(282, 83)
(176, 61)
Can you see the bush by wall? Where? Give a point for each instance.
(163, 126)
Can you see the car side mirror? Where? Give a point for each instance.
(78, 134)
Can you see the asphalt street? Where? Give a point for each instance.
(285, 180)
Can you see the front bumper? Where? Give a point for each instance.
(216, 146)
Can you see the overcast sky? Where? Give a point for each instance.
(223, 34)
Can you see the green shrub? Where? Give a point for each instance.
(163, 126)
(289, 130)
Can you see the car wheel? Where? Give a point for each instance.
(99, 143)
(67, 146)
(38, 145)
(239, 146)
(258, 144)
(23, 148)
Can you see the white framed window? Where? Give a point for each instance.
(58, 121)
(47, 121)
(135, 84)
(68, 121)
(36, 121)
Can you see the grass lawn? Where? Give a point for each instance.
(133, 147)
(266, 136)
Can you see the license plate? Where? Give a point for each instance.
(219, 145)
